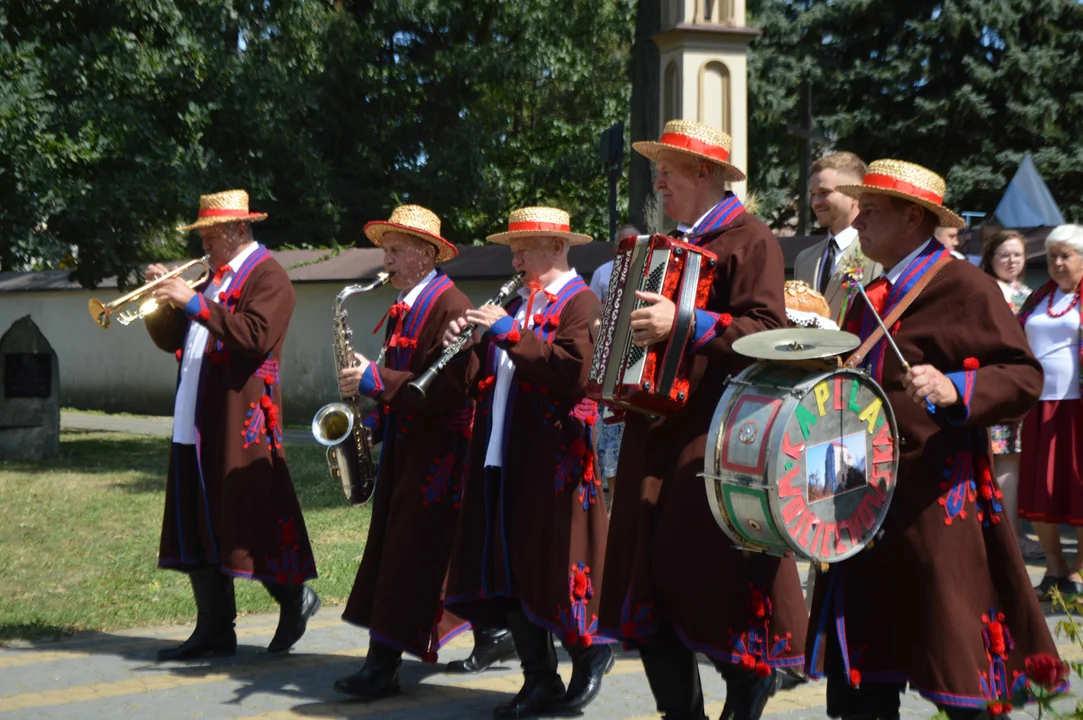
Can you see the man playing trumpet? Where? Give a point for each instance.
(231, 510)
(398, 591)
(532, 535)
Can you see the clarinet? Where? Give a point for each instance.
(420, 386)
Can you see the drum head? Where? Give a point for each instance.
(796, 344)
(802, 463)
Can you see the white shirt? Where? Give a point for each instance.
(505, 367)
(599, 281)
(1055, 342)
(896, 272)
(688, 228)
(842, 241)
(184, 408)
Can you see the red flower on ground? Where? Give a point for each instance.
(1046, 671)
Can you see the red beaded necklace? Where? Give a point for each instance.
(1065, 311)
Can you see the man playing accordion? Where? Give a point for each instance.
(675, 586)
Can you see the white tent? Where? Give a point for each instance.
(1027, 202)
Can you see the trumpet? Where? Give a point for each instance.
(102, 313)
(420, 387)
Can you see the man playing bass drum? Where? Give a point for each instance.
(674, 584)
(399, 586)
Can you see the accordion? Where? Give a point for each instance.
(651, 380)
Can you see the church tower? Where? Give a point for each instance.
(703, 72)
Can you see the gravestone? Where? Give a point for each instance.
(29, 394)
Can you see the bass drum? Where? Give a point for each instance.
(802, 462)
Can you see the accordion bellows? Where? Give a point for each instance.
(651, 380)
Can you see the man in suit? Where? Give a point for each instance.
(826, 264)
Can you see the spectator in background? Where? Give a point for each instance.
(1050, 486)
(949, 238)
(1005, 260)
(612, 429)
(826, 266)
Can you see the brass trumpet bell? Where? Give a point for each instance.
(103, 313)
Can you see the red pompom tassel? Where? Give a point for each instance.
(762, 670)
(971, 363)
(855, 677)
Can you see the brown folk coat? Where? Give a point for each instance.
(399, 586)
(537, 532)
(943, 600)
(241, 512)
(668, 560)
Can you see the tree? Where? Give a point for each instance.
(964, 87)
(115, 116)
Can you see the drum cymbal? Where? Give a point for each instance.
(796, 344)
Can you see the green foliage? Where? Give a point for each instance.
(964, 87)
(116, 114)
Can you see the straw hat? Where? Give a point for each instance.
(223, 208)
(415, 221)
(539, 221)
(909, 182)
(695, 139)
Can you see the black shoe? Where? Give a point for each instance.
(379, 678)
(589, 666)
(1069, 588)
(539, 696)
(1045, 587)
(789, 678)
(214, 635)
(205, 641)
(293, 615)
(490, 647)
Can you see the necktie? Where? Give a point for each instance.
(828, 267)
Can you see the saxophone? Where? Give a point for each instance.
(338, 425)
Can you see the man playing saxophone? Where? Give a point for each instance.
(230, 509)
(398, 591)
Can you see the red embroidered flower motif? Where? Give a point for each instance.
(580, 582)
(1046, 671)
(971, 363)
(289, 535)
(996, 643)
(757, 606)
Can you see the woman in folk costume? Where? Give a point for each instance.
(398, 591)
(674, 584)
(942, 601)
(230, 509)
(1050, 485)
(532, 535)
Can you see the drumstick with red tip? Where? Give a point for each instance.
(890, 340)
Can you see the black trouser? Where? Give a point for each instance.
(673, 674)
(871, 700)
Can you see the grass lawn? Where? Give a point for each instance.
(79, 538)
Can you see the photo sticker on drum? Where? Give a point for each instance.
(836, 467)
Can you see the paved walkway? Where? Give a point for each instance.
(115, 676)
